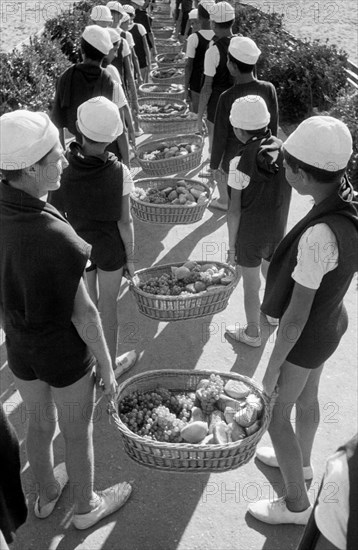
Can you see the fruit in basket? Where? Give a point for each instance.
(167, 73)
(226, 401)
(158, 111)
(163, 150)
(194, 432)
(220, 436)
(236, 431)
(237, 389)
(253, 428)
(246, 416)
(216, 417)
(210, 393)
(181, 190)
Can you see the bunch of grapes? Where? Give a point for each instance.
(210, 393)
(169, 426)
(165, 285)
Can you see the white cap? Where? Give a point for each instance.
(244, 49)
(221, 12)
(99, 120)
(249, 113)
(207, 5)
(26, 137)
(98, 38)
(128, 9)
(125, 17)
(193, 14)
(115, 6)
(114, 34)
(321, 141)
(139, 3)
(101, 13)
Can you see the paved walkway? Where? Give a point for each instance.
(190, 511)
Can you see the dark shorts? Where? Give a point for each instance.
(252, 254)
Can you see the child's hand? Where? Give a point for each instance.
(231, 257)
(129, 269)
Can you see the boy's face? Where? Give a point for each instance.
(295, 180)
(113, 52)
(195, 25)
(46, 175)
(231, 67)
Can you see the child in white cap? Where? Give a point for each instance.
(95, 198)
(45, 311)
(307, 280)
(85, 80)
(242, 57)
(141, 17)
(217, 75)
(141, 45)
(258, 206)
(197, 45)
(101, 16)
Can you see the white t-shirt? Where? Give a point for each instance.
(119, 97)
(141, 29)
(113, 73)
(211, 60)
(126, 49)
(332, 510)
(128, 185)
(193, 41)
(129, 39)
(317, 255)
(237, 180)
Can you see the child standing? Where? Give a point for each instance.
(258, 206)
(308, 278)
(95, 189)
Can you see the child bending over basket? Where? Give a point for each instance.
(307, 280)
(94, 195)
(258, 207)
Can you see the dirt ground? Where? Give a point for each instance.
(186, 511)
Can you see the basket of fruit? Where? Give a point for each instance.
(166, 116)
(161, 9)
(176, 292)
(173, 155)
(167, 75)
(158, 24)
(169, 200)
(164, 32)
(170, 59)
(176, 91)
(191, 420)
(168, 46)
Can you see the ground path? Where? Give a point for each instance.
(185, 511)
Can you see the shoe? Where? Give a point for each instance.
(240, 335)
(215, 203)
(110, 500)
(125, 362)
(139, 132)
(276, 512)
(61, 477)
(272, 320)
(268, 457)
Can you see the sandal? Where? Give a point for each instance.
(61, 477)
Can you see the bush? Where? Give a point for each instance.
(306, 75)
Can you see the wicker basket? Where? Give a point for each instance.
(176, 79)
(165, 32)
(158, 24)
(185, 457)
(168, 60)
(172, 124)
(167, 47)
(173, 165)
(161, 10)
(144, 90)
(179, 308)
(167, 213)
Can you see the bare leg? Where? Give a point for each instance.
(221, 178)
(41, 412)
(109, 283)
(308, 415)
(251, 282)
(91, 280)
(210, 126)
(291, 384)
(264, 268)
(75, 404)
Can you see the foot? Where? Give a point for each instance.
(125, 362)
(240, 335)
(139, 132)
(268, 457)
(44, 510)
(110, 500)
(215, 203)
(276, 512)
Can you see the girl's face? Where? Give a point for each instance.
(195, 25)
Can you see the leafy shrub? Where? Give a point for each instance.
(306, 75)
(28, 75)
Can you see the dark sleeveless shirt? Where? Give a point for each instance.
(222, 79)
(197, 74)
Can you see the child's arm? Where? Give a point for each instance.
(125, 224)
(188, 71)
(129, 121)
(291, 326)
(146, 49)
(233, 223)
(205, 94)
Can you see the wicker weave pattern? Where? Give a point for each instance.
(168, 60)
(183, 457)
(178, 308)
(166, 213)
(167, 47)
(173, 165)
(161, 34)
(142, 91)
(176, 79)
(162, 22)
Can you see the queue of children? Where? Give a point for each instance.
(255, 173)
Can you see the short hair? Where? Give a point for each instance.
(320, 175)
(90, 52)
(203, 13)
(243, 67)
(225, 25)
(15, 175)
